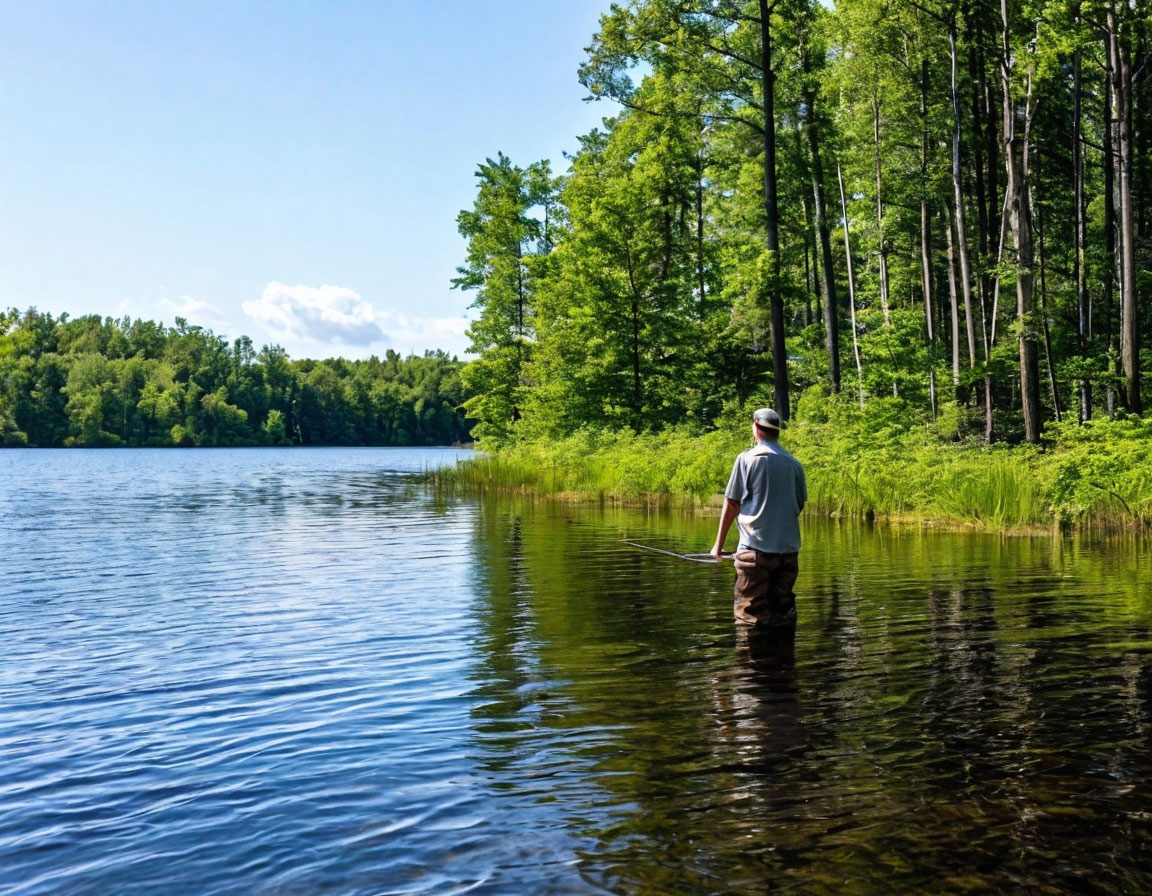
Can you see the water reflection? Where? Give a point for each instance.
(307, 675)
(760, 720)
(945, 716)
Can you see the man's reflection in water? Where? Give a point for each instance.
(771, 650)
(759, 717)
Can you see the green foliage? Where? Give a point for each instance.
(606, 465)
(619, 317)
(92, 401)
(650, 309)
(184, 386)
(504, 236)
(10, 434)
(274, 430)
(870, 465)
(224, 423)
(1102, 471)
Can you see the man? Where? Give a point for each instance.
(765, 495)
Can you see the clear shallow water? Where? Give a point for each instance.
(294, 672)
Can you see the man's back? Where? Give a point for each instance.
(770, 487)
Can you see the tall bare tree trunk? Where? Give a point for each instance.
(961, 237)
(927, 288)
(851, 285)
(988, 319)
(1080, 262)
(926, 239)
(771, 210)
(810, 288)
(1121, 56)
(954, 301)
(883, 249)
(983, 189)
(1020, 220)
(1042, 265)
(824, 238)
(1111, 270)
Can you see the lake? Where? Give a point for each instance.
(297, 671)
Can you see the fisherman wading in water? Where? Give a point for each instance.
(765, 495)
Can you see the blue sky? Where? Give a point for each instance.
(291, 171)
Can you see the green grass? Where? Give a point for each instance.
(1096, 476)
(669, 469)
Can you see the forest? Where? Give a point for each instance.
(100, 382)
(944, 204)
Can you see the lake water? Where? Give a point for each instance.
(296, 671)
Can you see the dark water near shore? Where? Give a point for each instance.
(296, 672)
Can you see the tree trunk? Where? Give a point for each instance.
(637, 383)
(851, 285)
(811, 267)
(988, 321)
(882, 249)
(824, 237)
(771, 210)
(926, 238)
(954, 301)
(1110, 247)
(1080, 266)
(1043, 259)
(961, 241)
(1121, 54)
(926, 286)
(700, 277)
(985, 190)
(1019, 208)
(982, 173)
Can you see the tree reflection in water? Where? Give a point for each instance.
(953, 712)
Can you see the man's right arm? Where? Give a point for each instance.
(727, 516)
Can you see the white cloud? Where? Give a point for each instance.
(196, 311)
(305, 317)
(415, 334)
(317, 313)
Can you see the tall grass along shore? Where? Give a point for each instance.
(1094, 476)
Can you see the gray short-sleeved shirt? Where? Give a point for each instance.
(769, 485)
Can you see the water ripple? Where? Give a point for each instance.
(262, 672)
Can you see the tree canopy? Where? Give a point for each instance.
(99, 382)
(947, 203)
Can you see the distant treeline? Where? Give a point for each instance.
(100, 382)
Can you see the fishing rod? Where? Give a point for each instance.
(692, 558)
